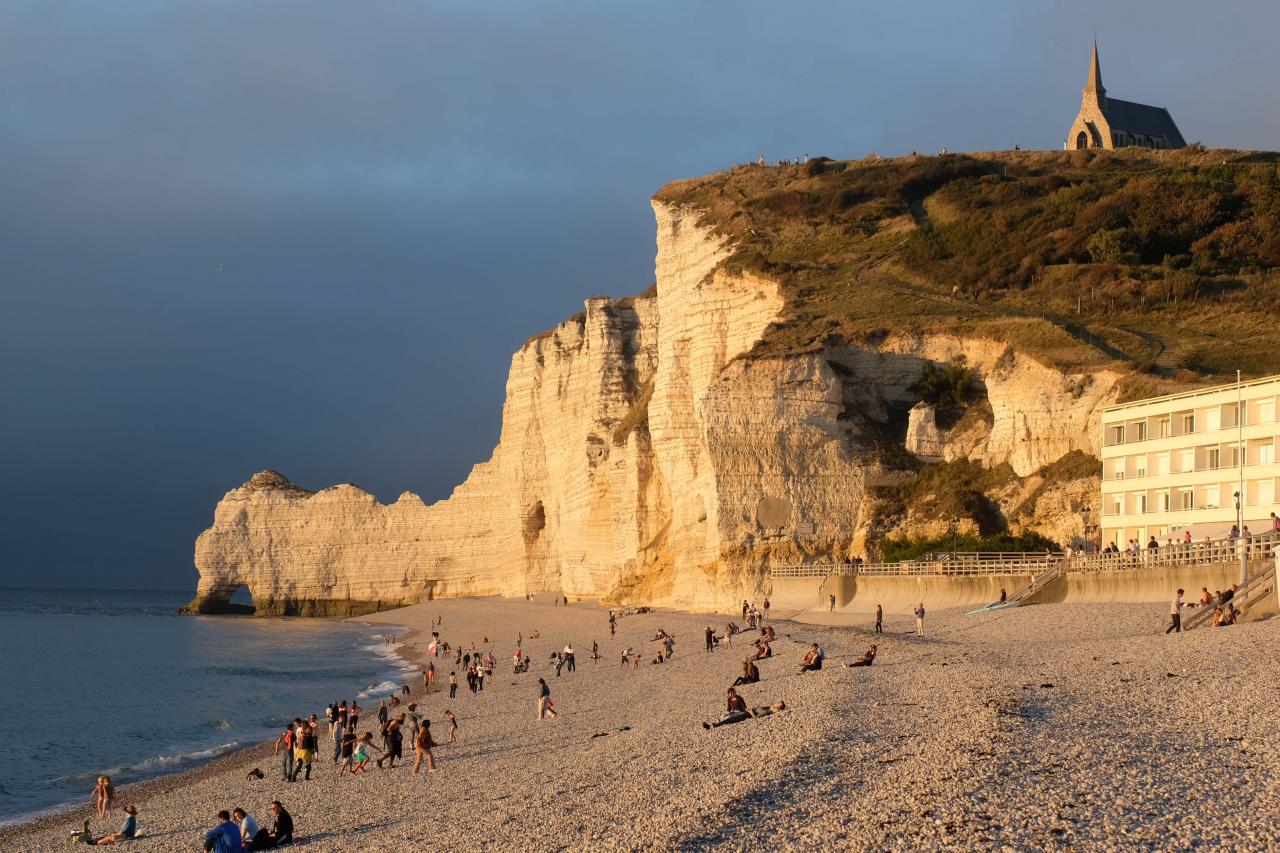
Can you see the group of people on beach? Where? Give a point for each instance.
(104, 792)
(237, 830)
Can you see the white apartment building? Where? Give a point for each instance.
(1173, 463)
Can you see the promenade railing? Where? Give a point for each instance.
(1254, 548)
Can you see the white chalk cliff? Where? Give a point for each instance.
(645, 455)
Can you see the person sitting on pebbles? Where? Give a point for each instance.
(735, 711)
(812, 660)
(866, 660)
(750, 674)
(128, 829)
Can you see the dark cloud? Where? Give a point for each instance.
(401, 193)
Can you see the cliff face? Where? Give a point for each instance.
(647, 454)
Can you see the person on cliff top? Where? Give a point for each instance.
(867, 658)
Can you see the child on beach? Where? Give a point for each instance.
(103, 793)
(361, 755)
(422, 747)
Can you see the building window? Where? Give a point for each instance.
(1211, 495)
(1214, 458)
(1188, 424)
(1142, 503)
(1266, 453)
(1162, 428)
(1188, 499)
(1142, 431)
(1266, 411)
(1187, 461)
(1212, 419)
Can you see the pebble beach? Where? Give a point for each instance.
(1051, 727)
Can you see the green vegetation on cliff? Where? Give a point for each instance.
(1165, 260)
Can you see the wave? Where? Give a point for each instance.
(148, 767)
(385, 687)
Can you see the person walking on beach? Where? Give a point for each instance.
(711, 637)
(431, 676)
(453, 726)
(570, 660)
(879, 619)
(348, 750)
(409, 728)
(453, 684)
(1175, 614)
(544, 700)
(920, 619)
(422, 748)
(284, 748)
(305, 752)
(103, 793)
(383, 713)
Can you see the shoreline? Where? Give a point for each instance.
(70, 813)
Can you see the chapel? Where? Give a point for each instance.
(1105, 122)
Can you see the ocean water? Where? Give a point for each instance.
(115, 682)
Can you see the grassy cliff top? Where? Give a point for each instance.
(1165, 261)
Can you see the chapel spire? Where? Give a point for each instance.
(1095, 75)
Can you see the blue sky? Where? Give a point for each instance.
(400, 193)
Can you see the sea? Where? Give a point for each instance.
(118, 683)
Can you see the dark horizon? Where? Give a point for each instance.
(308, 237)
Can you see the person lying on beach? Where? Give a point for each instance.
(866, 659)
(750, 674)
(128, 829)
(224, 837)
(103, 793)
(812, 660)
(281, 831)
(735, 711)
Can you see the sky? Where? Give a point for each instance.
(309, 235)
